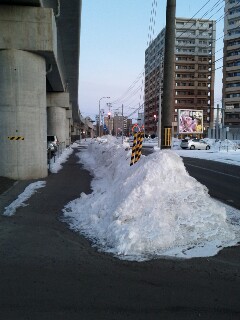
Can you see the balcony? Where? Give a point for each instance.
(234, 15)
(232, 37)
(233, 79)
(185, 26)
(230, 48)
(232, 89)
(180, 70)
(184, 62)
(231, 100)
(204, 36)
(231, 27)
(234, 68)
(185, 45)
(232, 121)
(185, 35)
(184, 87)
(234, 110)
(231, 58)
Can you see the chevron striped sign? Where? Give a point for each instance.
(15, 138)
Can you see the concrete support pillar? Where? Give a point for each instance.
(68, 127)
(56, 118)
(22, 115)
(57, 107)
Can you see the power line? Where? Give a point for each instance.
(129, 89)
(193, 17)
(151, 29)
(222, 17)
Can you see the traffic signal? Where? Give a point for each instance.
(109, 115)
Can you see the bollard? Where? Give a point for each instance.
(49, 158)
(139, 149)
(133, 149)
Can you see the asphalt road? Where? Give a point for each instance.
(221, 179)
(49, 272)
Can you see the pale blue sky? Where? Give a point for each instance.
(114, 36)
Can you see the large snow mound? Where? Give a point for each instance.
(153, 208)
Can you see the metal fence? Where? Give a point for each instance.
(224, 133)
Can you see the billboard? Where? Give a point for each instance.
(190, 121)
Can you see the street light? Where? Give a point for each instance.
(99, 124)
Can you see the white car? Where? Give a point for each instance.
(192, 144)
(52, 143)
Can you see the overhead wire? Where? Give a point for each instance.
(214, 8)
(179, 37)
(131, 92)
(127, 95)
(129, 88)
(222, 17)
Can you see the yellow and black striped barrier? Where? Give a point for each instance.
(137, 147)
(134, 149)
(15, 138)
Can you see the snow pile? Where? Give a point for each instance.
(55, 163)
(149, 209)
(19, 202)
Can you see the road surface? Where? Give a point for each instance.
(221, 179)
(49, 272)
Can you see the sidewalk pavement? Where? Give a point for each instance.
(48, 271)
(5, 184)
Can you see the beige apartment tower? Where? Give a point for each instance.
(194, 72)
(231, 63)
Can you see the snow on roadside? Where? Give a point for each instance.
(153, 208)
(20, 201)
(56, 166)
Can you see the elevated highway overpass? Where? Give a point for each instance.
(39, 69)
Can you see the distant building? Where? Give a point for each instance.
(108, 125)
(194, 72)
(129, 127)
(121, 123)
(231, 63)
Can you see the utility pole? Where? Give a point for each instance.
(223, 113)
(168, 79)
(217, 123)
(109, 116)
(160, 104)
(122, 123)
(99, 111)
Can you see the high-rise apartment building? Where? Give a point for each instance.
(194, 72)
(231, 64)
(153, 81)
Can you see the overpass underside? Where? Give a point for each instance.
(39, 66)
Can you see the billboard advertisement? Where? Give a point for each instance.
(190, 121)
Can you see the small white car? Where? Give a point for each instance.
(192, 144)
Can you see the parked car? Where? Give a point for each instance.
(52, 143)
(192, 144)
